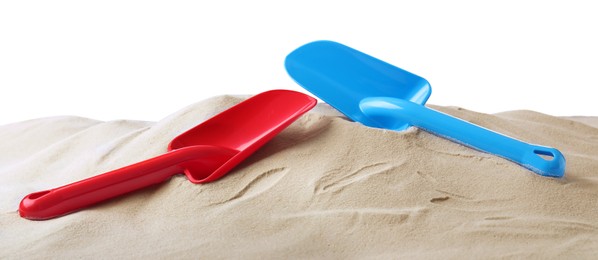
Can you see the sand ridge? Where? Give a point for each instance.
(325, 187)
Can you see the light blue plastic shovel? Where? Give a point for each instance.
(378, 94)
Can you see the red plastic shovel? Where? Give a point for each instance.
(205, 153)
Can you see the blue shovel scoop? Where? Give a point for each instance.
(378, 94)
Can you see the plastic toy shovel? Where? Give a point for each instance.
(378, 94)
(205, 153)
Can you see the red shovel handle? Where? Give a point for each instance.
(72, 197)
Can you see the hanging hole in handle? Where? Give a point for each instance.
(37, 195)
(546, 155)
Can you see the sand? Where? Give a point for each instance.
(325, 187)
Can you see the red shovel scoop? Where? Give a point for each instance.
(205, 153)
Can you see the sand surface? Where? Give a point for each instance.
(324, 188)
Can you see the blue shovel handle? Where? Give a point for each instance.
(393, 113)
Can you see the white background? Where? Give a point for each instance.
(146, 59)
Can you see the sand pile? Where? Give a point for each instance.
(325, 187)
